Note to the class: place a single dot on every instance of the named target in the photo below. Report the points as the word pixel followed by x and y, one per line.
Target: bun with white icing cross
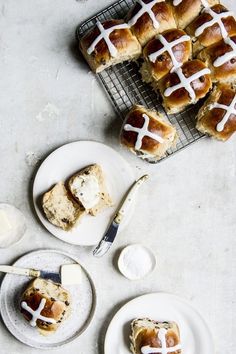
pixel 217 117
pixel 166 52
pixel 185 11
pixel 221 59
pixel 150 17
pixel 184 86
pixel 149 337
pixel 45 305
pixel 109 43
pixel 147 134
pixel 211 26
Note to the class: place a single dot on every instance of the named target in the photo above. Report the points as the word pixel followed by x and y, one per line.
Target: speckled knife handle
pixel 20 271
pixel 129 198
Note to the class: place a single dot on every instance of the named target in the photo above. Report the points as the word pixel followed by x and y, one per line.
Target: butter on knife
pixel 71 274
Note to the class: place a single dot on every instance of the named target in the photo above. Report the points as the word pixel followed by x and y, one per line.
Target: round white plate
pixel 63 163
pixel 195 335
pixel 83 301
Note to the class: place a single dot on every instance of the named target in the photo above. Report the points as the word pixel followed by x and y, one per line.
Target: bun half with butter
pixel 88 188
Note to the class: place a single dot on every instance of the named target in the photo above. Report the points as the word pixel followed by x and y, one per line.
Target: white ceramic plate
pixel 63 163
pixel 83 301
pixel 195 335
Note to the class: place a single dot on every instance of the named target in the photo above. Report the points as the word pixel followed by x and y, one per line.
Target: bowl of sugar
pixel 136 261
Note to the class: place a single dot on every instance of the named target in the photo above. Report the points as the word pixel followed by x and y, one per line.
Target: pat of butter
pixel 5 224
pixel 71 274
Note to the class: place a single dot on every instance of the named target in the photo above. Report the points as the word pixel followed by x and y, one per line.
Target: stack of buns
pixel 188 50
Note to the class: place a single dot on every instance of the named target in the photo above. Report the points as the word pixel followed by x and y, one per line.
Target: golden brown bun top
pixel 135 118
pixel 182 51
pixel 120 38
pixel 201 86
pixel 161 10
pixel 213 33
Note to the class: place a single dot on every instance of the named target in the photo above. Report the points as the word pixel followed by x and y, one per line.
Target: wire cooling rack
pixel 124 85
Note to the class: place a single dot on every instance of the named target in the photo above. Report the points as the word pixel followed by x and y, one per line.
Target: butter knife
pixel 109 237
pixel 56 277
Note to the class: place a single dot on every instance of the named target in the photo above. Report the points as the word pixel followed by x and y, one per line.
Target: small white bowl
pixel 17 225
pixel 136 261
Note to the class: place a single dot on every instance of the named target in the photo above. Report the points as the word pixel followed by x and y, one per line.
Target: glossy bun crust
pixel 57 306
pixel 188 10
pixel 225 72
pixel 213 33
pixel 163 63
pixel 127 45
pixel 150 149
pixel 208 119
pixel 144 29
pixel 180 98
pixel 144 332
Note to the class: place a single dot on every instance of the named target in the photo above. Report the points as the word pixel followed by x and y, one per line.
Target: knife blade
pixel 34 273
pixel 110 235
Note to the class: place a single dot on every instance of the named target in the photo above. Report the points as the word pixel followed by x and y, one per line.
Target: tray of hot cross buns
pixel 169 68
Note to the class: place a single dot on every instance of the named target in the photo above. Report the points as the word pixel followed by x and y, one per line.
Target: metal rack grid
pixel 125 87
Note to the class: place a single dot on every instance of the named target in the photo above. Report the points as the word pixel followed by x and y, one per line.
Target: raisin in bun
pixel 45 305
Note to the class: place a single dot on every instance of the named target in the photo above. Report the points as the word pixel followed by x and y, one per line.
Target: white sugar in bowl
pixel 136 261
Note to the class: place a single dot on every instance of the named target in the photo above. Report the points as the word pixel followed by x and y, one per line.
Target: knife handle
pixel 20 271
pixel 129 198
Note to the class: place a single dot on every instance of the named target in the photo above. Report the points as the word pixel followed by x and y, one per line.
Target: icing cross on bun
pixel 45 305
pixel 185 85
pixel 36 314
pixel 164 349
pixel 147 134
pixel 168 46
pixel 145 8
pixel 149 17
pixel 105 34
pixel 109 43
pixel 217 117
pixel 164 53
pixel 142 132
pixel 216 18
pixel 186 82
pixel 211 26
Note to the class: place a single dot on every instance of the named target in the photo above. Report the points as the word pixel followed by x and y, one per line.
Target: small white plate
pixel 83 301
pixel 195 335
pixel 128 267
pixel 63 163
